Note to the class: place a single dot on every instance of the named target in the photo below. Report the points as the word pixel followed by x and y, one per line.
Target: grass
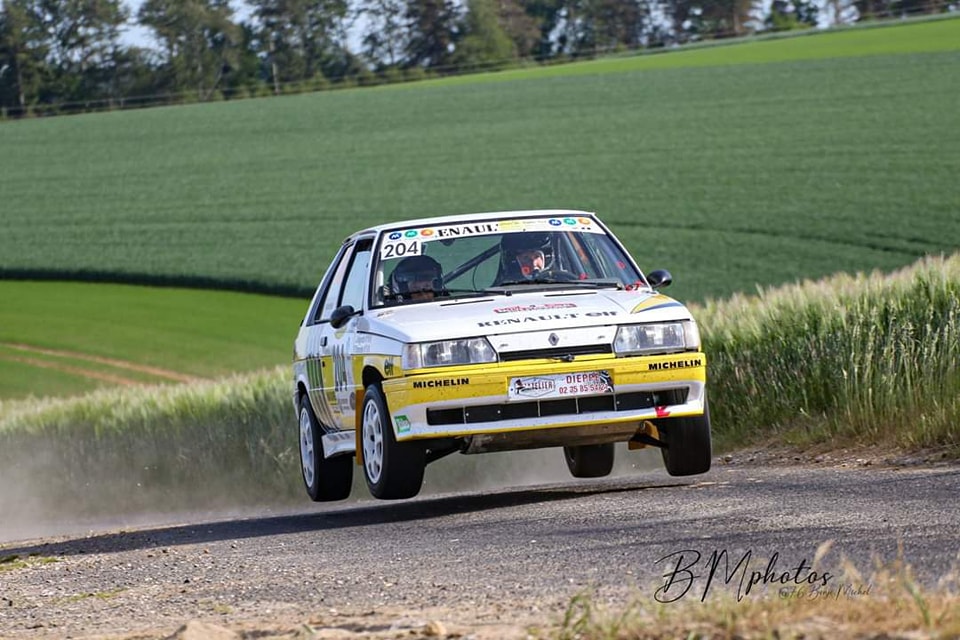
pixel 15 562
pixel 828 163
pixel 862 359
pixel 84 336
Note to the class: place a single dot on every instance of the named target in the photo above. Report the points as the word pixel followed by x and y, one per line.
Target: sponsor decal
pixel 499 226
pixel 340 368
pixel 674 364
pixel 388 367
pixel 657 301
pixel 546 318
pixel 561 385
pixel 662 412
pixel 445 382
pixel 480 229
pixel 532 387
pixel 536 307
pixel 403 424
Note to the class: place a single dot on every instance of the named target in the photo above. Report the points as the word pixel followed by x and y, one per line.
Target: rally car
pixel 492 332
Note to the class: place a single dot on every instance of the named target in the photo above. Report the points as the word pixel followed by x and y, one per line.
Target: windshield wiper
pixel 460 293
pixel 593 284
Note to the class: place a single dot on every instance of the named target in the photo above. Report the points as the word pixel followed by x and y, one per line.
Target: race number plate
pixel 561 385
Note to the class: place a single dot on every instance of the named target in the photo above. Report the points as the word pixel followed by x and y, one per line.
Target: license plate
pixel 560 385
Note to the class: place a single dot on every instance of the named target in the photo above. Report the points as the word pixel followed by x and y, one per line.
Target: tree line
pixel 70 55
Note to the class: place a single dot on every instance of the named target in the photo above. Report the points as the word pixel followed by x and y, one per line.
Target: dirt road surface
pixel 481 564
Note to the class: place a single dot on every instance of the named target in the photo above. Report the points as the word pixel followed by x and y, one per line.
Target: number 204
pixel 400 249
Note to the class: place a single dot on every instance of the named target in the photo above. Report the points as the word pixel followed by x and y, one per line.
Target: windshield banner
pixel 397 244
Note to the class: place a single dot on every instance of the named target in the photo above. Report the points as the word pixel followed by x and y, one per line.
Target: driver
pixel 523 255
pixel 416 278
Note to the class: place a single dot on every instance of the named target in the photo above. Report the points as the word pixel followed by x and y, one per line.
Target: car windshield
pixel 416 264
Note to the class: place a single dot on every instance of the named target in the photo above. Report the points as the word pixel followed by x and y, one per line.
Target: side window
pixel 357 275
pixel 328 301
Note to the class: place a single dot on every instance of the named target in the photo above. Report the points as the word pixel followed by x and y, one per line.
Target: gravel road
pixel 480 564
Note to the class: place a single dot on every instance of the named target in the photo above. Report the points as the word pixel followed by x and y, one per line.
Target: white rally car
pixel 492 332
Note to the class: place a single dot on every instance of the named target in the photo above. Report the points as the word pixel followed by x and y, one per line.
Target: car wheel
pixel 393 470
pixel 590 460
pixel 326 479
pixel 688 449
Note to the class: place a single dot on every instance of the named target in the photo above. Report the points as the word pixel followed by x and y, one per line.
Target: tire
pixel 688 449
pixel 326 479
pixel 393 470
pixel 590 460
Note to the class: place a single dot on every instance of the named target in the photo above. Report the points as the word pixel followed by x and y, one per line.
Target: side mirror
pixel 659 278
pixel 340 315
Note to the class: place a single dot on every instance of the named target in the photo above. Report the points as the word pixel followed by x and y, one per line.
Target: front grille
pixel 556 407
pixel 563 353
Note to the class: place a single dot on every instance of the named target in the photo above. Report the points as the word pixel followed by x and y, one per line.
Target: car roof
pixel 473 217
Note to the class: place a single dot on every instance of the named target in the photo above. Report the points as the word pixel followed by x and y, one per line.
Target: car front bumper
pixel 473 400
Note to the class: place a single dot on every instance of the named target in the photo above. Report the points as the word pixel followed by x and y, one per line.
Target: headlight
pixel 448 352
pixel 657 337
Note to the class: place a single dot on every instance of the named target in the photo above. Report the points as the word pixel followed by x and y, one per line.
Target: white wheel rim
pixel 372 442
pixel 306 447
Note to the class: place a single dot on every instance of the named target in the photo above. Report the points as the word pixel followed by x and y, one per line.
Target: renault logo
pixel 554 339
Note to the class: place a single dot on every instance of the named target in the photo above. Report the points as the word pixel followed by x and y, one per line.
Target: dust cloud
pixel 40 498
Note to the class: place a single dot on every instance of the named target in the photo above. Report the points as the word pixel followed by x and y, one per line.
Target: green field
pixel 64 338
pixel 785 159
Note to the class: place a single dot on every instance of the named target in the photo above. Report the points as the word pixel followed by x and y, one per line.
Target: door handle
pixel 323 341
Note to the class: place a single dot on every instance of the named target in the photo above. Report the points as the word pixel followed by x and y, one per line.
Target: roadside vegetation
pixel 868 359
pixel 156 448
pixel 864 359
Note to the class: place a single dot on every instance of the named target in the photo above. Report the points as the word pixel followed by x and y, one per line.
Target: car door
pixel 316 336
pixel 337 343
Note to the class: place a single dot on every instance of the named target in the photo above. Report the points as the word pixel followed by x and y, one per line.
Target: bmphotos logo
pixel 687 570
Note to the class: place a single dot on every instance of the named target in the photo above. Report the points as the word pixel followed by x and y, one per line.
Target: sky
pixel 138 36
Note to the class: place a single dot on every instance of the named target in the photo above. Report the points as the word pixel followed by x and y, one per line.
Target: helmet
pixel 524 241
pixel 414 274
pixel 514 245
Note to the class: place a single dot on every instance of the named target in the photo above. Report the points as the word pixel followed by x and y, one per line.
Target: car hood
pixel 521 312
